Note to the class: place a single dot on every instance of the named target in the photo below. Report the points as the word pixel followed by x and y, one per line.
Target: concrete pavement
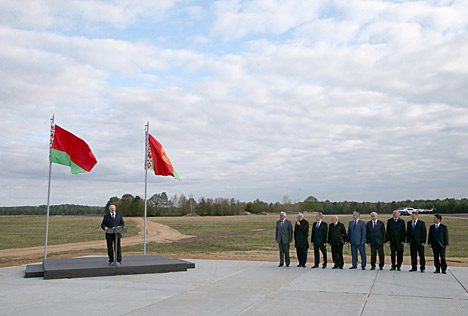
pixel 217 287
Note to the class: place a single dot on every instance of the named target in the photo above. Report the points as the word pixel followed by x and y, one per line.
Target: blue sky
pixel 342 100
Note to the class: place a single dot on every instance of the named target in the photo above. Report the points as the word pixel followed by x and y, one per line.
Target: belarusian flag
pixel 69 150
pixel 158 160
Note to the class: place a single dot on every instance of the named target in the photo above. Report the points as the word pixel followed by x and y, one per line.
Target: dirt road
pixel 155 232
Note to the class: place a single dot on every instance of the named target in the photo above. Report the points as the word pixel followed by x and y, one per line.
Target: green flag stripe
pixel 63 158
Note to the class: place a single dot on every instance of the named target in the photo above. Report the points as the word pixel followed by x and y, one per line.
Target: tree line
pixel 62 209
pixel 160 204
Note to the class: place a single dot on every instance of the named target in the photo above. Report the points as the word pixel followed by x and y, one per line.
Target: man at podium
pixel 111 220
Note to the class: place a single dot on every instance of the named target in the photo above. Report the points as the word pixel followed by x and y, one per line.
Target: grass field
pixel 216 237
pixel 29 231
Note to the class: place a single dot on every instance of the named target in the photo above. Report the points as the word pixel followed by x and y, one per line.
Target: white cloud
pixel 340 103
pixel 235 18
pixel 45 14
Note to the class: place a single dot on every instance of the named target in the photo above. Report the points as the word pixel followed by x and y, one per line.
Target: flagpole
pixel 48 190
pixel 146 184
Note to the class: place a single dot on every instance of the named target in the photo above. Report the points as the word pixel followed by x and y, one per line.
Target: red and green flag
pixel 158 159
pixel 70 150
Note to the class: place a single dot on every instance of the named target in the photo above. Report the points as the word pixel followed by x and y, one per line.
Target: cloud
pixel 333 100
pixel 47 14
pixel 236 19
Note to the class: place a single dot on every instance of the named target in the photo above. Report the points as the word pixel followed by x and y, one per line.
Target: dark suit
pixel 396 235
pixel 301 241
pixel 376 239
pixel 319 238
pixel 336 238
pixel 416 237
pixel 110 222
pixel 284 235
pixel 357 238
pixel 439 240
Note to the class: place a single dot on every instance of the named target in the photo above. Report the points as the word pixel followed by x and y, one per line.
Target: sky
pixel 341 100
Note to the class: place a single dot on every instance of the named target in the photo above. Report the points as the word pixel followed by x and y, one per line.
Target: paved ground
pixel 240 288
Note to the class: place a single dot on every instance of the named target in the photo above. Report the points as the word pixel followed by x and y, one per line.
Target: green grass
pixel 215 234
pixel 29 231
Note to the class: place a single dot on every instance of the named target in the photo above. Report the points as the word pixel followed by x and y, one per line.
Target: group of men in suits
pixel 374 233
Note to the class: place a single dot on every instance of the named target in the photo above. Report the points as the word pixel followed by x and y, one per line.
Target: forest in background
pixel 160 204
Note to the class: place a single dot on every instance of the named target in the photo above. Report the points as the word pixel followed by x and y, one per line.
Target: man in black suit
pixel 376 239
pixel 319 240
pixel 337 238
pixel 396 236
pixel 416 231
pixel 111 220
pixel 301 239
pixel 438 241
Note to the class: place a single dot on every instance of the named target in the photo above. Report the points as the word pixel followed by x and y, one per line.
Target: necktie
pixel 414 224
pixel 395 220
pixel 373 224
pixel 318 224
pixel 113 216
pixel 354 224
pixel 282 222
pixel 437 226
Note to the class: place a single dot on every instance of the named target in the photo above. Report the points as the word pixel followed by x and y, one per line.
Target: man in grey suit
pixel 284 236
pixel 357 238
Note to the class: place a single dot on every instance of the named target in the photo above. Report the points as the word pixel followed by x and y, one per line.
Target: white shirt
pixel 318 224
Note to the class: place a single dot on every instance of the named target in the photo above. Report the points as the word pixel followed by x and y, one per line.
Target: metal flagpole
pixel 146 184
pixel 52 128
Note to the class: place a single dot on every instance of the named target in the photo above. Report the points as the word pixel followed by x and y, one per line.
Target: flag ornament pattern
pixel 158 160
pixel 70 150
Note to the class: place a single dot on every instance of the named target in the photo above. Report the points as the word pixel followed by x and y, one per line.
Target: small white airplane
pixel 407 211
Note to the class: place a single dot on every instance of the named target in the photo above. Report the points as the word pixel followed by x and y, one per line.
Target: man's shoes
pixel 314 266
pixel 299 265
pixel 373 268
pixel 280 265
pixel 324 266
pixel 303 265
pixel 443 272
pixel 287 265
pixel 353 267
pixel 381 268
pixel 398 269
pixel 392 269
pixel 363 268
pixel 436 271
pixel 413 270
pixel 422 271
pixel 341 268
pixel 335 267
pixel 119 262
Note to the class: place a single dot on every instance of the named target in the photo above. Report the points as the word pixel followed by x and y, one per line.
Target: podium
pixel 118 230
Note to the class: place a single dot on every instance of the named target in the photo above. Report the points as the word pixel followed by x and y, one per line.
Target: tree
pixel 159 204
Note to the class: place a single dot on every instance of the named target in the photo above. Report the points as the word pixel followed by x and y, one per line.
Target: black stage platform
pixel 99 266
